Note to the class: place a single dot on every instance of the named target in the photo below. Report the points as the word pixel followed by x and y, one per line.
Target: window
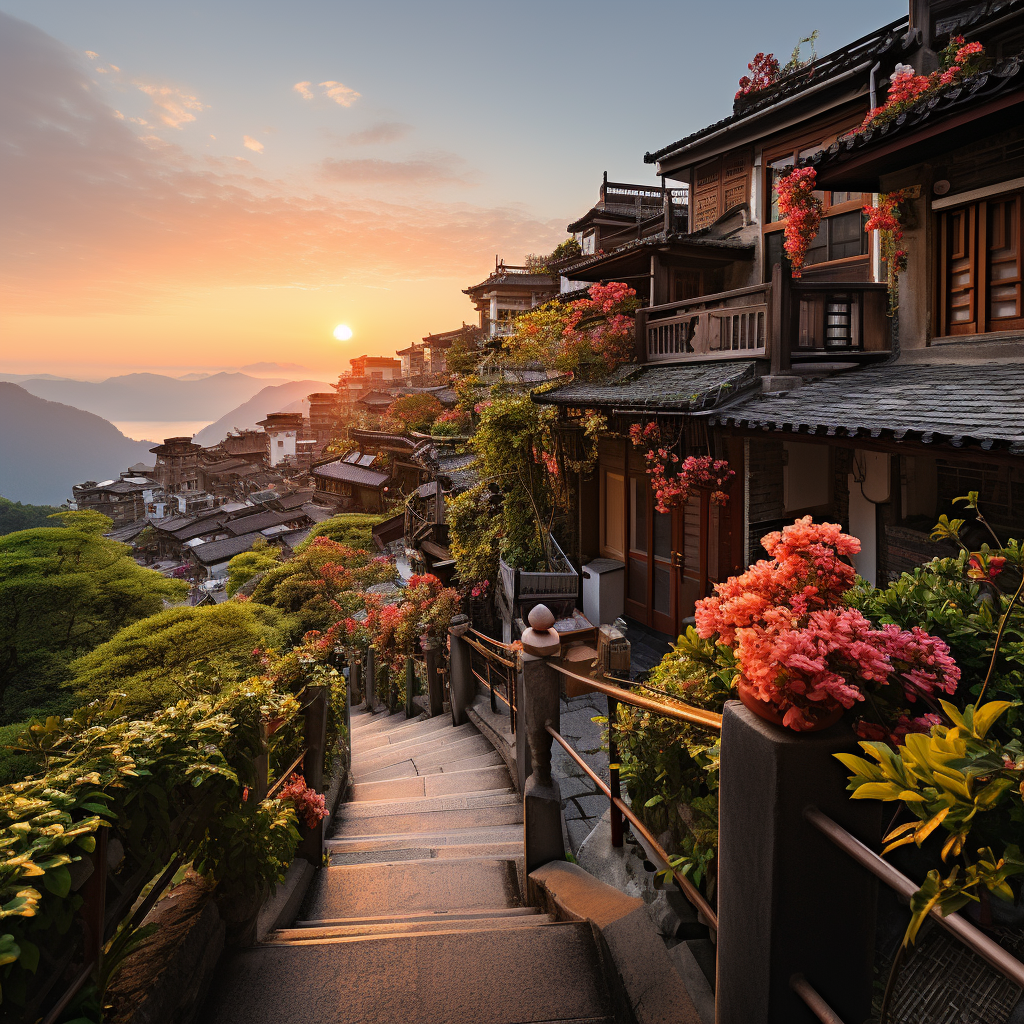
pixel 841 235
pixel 280 444
pixel 613 507
pixel 980 267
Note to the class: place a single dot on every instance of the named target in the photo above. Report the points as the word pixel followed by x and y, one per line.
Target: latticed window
pixel 980 267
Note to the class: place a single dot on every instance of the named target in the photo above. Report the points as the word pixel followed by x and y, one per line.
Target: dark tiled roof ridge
pixel 841 60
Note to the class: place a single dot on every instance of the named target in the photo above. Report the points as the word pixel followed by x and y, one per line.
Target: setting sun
pixel 342 332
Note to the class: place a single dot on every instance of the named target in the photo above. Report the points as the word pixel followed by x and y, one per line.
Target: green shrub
pixel 354 529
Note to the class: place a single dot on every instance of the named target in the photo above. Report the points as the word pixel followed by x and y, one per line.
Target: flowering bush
pixel 958 60
pixel 451 423
pixel 802 210
pixel 800 649
pixel 592 334
pixel 672 490
pixel 764 72
pixel 310 805
pixel 887 218
pixel 415 412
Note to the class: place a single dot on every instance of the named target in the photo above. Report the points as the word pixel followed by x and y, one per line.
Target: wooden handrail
pixel 489 654
pixel 681 712
pixel 690 891
pixel 286 775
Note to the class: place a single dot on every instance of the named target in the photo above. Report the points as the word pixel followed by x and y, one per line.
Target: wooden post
pixel 94 900
pixel 261 765
pixel 462 685
pixel 640 341
pixel 312 845
pixel 410 687
pixel 371 679
pixel 613 771
pixel 781 334
pixel 435 684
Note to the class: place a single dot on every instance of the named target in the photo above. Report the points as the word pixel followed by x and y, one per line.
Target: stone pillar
pixel 789 901
pixel 461 683
pixel 371 679
pixel 542 802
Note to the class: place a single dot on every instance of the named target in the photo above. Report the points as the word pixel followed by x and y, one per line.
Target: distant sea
pixel 157 430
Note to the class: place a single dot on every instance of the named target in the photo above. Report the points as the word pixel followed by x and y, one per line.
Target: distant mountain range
pixel 277 398
pixel 46 447
pixel 152 396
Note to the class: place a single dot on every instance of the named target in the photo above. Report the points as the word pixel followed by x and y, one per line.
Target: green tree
pixel 15 516
pixel 156 661
pixel 248 564
pixel 353 529
pixel 416 412
pixel 62 593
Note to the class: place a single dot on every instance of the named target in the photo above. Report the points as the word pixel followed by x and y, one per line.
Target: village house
pixel 283 429
pixel 508 292
pixel 124 500
pixel 324 415
pixel 177 466
pixel 820 402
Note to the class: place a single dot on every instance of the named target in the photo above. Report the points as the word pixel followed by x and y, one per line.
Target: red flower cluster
pixel 802 210
pixel 885 217
pixel 695 471
pixel 799 648
pixel 764 72
pixel 309 804
pixel 612 337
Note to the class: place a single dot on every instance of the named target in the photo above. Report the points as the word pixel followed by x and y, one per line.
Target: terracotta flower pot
pixel 770 713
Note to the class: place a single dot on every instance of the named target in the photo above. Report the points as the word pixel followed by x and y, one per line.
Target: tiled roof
pixel 700 239
pixel 679 386
pixel 964 405
pixel 198 529
pixel 317 512
pixel 1006 77
pixel 379 437
pixel 865 50
pixel 221 550
pixel 351 474
pixel 262 521
pixel 129 532
pixel 295 499
pixel 119 487
pixel 522 280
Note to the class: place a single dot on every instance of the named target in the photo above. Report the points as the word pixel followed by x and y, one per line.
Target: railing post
pixel 261 765
pixel 542 801
pixel 410 686
pixel 613 772
pixel 94 900
pixel 312 845
pixel 788 901
pixel 781 333
pixel 461 682
pixel 435 684
pixel 371 679
pixel 640 340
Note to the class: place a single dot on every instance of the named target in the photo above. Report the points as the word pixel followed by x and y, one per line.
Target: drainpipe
pixel 871 85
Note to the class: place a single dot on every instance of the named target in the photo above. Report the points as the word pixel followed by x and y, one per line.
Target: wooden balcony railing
pixel 784 321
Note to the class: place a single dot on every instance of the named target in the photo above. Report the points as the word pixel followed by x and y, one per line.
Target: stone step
pixel 382 720
pixel 428 925
pixel 411 768
pixel 429 821
pixel 399 733
pixel 422 805
pixel 510 834
pixel 424 915
pixel 501 851
pixel 374 890
pixel 426 756
pixel 486 976
pixel 418 746
pixel 475 780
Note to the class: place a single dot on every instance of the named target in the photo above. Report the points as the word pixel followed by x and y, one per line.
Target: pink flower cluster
pixel 799 648
pixel 764 71
pixel 672 490
pixel 310 805
pixel 802 210
pixel 480 589
pixel 612 336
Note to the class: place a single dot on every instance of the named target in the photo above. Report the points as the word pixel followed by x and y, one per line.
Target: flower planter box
pixel 557 589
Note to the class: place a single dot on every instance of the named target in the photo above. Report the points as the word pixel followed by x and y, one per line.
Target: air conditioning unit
pixel 604 590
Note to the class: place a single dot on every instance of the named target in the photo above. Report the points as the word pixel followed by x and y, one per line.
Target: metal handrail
pixel 681 712
pixel 489 654
pixel 491 640
pixel 812 999
pixel 973 938
pixel 690 891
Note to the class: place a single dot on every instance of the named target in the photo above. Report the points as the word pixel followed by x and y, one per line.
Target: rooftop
pixel 340 470
pixel 221 550
pixel 929 403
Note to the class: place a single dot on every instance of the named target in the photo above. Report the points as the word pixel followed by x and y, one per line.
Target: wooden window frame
pixel 974 221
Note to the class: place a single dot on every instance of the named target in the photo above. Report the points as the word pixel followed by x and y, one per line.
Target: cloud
pixel 433 170
pixel 250 143
pixel 341 94
pixel 172 106
pixel 381 132
pixel 302 88
pixel 98 222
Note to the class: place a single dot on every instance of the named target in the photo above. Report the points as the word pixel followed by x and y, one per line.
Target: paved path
pixel 419 917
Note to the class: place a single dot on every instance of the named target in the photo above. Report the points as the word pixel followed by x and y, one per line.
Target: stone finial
pixel 540 640
pixel 541 617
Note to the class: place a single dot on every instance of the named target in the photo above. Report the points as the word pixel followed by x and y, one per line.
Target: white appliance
pixel 604 590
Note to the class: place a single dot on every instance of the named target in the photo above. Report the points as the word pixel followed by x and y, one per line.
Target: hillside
pixel 46 447
pixel 277 398
pixel 152 396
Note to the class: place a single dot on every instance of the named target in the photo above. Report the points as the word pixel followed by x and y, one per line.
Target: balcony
pixel 785 322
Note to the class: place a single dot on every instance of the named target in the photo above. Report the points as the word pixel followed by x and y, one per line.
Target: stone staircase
pixel 419 916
